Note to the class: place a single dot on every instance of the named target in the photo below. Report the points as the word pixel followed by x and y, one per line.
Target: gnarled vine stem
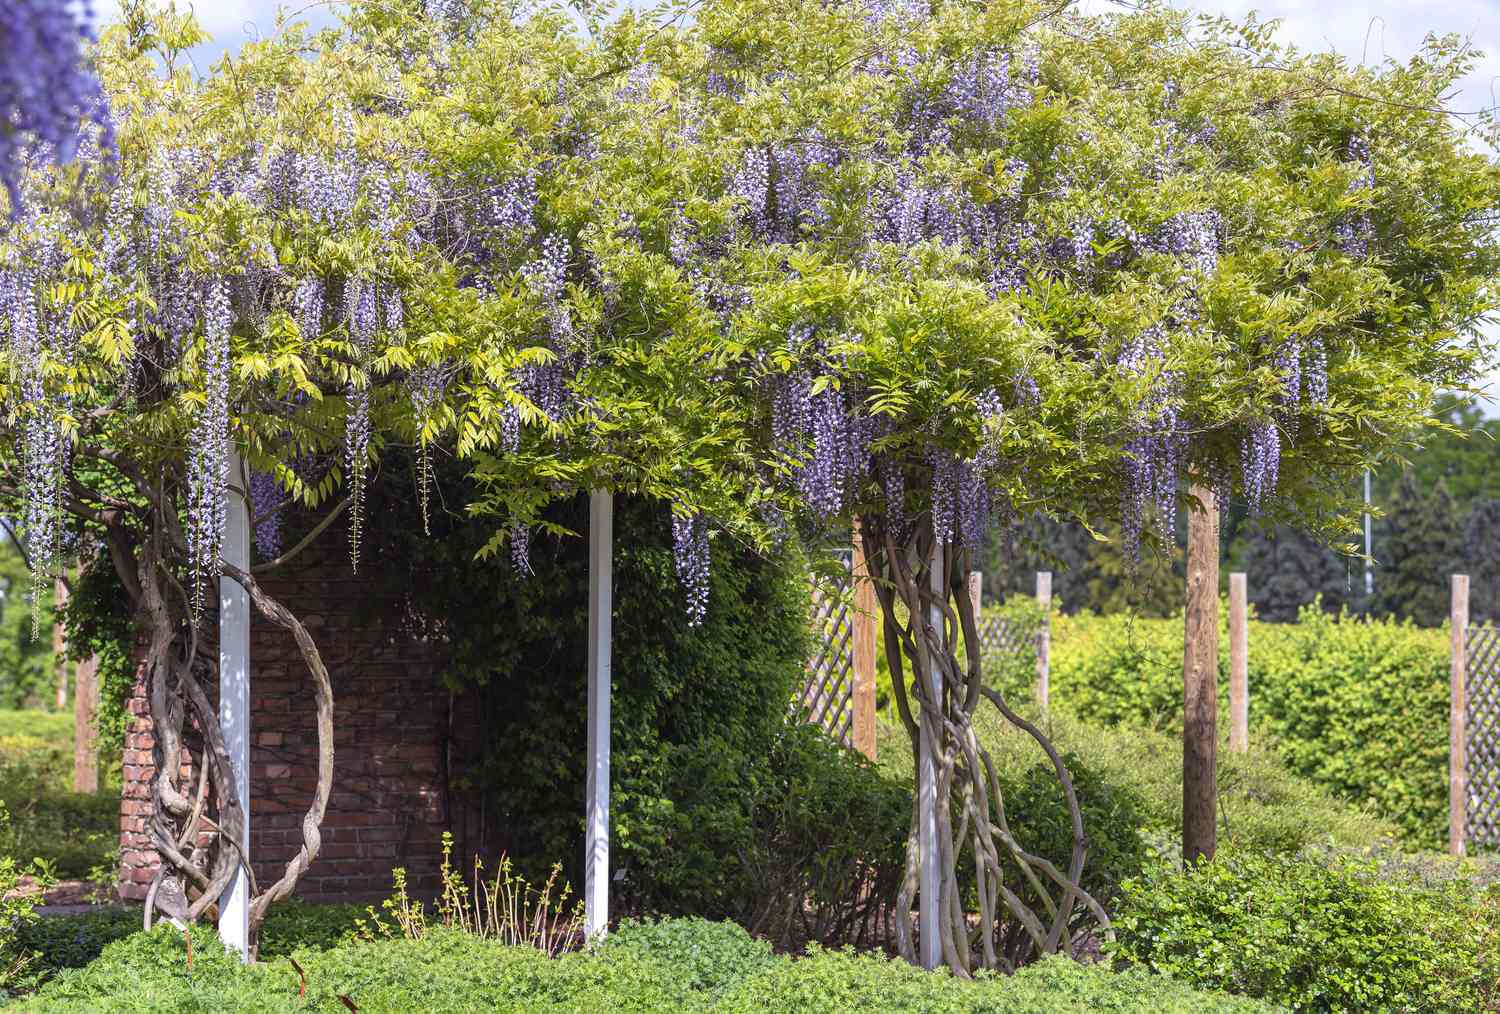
pixel 1026 906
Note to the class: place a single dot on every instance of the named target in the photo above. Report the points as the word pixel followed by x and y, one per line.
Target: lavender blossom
pixel 691 557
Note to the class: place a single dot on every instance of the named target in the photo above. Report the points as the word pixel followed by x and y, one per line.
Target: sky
pixel 1369 32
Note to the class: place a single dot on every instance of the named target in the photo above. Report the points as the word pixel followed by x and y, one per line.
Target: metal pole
pixel 866 611
pixel 929 885
pixel 1369 570
pixel 601 580
pixel 234 700
pixel 1044 640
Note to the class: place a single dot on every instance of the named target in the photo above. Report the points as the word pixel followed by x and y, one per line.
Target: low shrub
pixel 1317 933
pixel 688 966
pixel 17 912
pixel 709 956
pixel 59 942
pixel 1355 706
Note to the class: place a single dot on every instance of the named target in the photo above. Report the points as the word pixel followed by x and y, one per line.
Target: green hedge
pixel 1358 707
pixel 1319 934
pixel 692 966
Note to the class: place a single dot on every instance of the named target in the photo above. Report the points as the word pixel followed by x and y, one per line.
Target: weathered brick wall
pixel 394 728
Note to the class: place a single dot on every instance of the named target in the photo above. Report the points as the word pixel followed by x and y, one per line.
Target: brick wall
pixel 394 728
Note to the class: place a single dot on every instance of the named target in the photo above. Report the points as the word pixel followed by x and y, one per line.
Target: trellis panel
pixel 1008 635
pixel 1482 736
pixel 827 697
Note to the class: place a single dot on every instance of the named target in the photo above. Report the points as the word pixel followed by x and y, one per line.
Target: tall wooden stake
pixel 85 706
pixel 234 701
pixel 866 613
pixel 1200 680
pixel 1239 665
pixel 929 872
pixel 1044 639
pixel 1458 715
pixel 601 592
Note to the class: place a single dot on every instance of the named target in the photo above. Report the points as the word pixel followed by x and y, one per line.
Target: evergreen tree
pixel 1419 546
pixel 1482 560
pixel 1286 570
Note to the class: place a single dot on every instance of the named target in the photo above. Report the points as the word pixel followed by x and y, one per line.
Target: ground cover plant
pixel 687 966
pixel 1316 933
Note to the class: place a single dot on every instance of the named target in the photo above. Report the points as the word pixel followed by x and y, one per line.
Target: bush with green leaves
pixel 677 966
pixel 59 942
pixel 1318 934
pixel 1358 707
pixel 17 911
pixel 1129 784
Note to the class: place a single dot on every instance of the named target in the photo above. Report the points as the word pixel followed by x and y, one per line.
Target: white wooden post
pixel 601 579
pixel 1044 640
pixel 1239 664
pixel 234 701
pixel 1458 716
pixel 929 883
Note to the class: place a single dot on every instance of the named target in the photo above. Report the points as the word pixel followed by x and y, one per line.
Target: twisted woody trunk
pixel 983 924
pixel 197 817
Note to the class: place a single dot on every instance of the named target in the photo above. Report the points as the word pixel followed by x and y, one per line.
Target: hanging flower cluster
pixel 208 465
pixel 46 88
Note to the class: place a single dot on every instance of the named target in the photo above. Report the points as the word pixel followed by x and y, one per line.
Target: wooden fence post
pixel 1044 639
pixel 1458 776
pixel 1200 678
pixel 976 586
pixel 1239 665
pixel 865 613
pixel 85 706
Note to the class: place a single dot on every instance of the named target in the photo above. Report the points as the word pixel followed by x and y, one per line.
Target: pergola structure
pixel 234 710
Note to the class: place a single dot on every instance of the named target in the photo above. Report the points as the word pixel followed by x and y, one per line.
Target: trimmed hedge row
pixel 1339 934
pixel 1358 707
pixel 686 965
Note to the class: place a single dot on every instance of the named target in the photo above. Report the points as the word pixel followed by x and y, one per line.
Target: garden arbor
pixel 795 264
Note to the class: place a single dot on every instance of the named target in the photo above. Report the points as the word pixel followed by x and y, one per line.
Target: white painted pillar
pixel 596 842
pixel 234 700
pixel 929 875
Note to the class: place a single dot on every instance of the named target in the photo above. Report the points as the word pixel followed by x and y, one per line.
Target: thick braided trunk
pixel 185 805
pixel 1004 929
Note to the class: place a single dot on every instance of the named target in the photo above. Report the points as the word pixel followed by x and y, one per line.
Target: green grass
pixel 51 726
pixel 74 834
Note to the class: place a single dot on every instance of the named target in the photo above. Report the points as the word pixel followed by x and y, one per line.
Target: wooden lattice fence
pixel 838 694
pixel 827 698
pixel 1482 736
